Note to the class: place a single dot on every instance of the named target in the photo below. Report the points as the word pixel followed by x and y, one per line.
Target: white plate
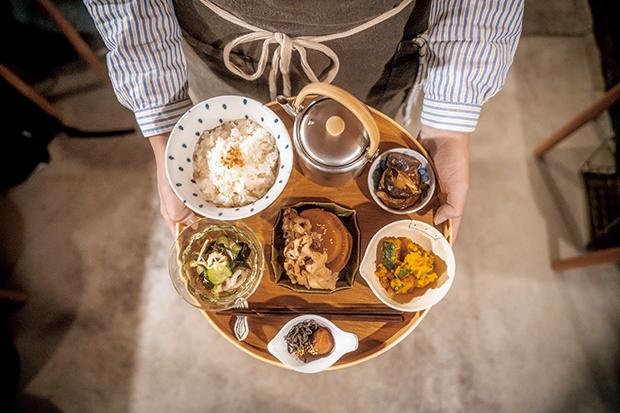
pixel 343 343
pixel 207 115
pixel 429 238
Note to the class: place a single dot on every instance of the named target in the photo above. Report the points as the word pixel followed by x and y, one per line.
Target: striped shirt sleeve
pixel 472 44
pixel 145 60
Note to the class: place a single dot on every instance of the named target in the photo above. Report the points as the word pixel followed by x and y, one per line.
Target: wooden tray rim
pixel 403 332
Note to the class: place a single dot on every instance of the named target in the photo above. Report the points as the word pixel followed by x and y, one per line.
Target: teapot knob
pixel 335 125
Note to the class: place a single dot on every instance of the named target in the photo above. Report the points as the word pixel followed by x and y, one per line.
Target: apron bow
pixel 281 59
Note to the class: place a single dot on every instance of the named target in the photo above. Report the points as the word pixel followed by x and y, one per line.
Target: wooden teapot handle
pixel 350 102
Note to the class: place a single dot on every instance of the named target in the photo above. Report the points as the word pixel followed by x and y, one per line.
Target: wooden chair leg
pixel 586 260
pixel 579 120
pixel 13 297
pixel 29 92
pixel 75 39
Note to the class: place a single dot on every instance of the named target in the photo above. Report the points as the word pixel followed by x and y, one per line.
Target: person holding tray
pixel 162 52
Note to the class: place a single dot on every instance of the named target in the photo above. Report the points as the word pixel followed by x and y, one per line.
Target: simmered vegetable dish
pixel 403 265
pixel 401 185
pixel 221 265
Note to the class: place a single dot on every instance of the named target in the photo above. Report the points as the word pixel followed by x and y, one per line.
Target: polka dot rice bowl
pixel 205 116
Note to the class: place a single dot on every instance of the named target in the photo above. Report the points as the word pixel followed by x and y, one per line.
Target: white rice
pixel 250 177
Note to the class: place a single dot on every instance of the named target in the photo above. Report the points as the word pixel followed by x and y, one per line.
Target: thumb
pixel 172 227
pixel 445 212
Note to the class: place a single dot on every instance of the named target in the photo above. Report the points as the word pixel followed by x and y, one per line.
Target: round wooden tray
pixel 374 337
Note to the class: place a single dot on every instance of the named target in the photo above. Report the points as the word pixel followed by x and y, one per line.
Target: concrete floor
pixel 104 330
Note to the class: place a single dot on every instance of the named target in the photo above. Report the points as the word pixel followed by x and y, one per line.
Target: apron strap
pixel 281 59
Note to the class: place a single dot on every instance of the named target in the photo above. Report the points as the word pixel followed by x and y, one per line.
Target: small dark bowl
pixel 347 275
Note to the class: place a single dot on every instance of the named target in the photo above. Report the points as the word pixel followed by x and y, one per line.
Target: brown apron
pixel 378 65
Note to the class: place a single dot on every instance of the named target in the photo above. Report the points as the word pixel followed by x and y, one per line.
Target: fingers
pixel 173 214
pixel 172 226
pixel 178 216
pixel 456 195
pixel 172 209
pixel 454 206
pixel 446 212
pixel 451 159
pixel 456 186
pixel 172 222
pixel 456 224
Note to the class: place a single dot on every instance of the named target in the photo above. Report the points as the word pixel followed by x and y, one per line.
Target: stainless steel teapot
pixel 334 134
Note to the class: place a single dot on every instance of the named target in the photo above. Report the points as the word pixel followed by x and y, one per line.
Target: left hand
pixel 450 153
pixel 171 208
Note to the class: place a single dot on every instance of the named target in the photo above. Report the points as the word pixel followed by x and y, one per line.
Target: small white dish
pixel 207 115
pixel 343 343
pixel 426 172
pixel 429 238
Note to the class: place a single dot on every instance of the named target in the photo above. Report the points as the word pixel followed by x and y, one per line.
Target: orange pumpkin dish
pixel 403 266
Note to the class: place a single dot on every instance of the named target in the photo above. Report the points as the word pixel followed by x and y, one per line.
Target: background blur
pixel 103 329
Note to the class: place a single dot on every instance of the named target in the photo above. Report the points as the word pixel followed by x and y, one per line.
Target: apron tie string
pixel 281 59
pixel 282 55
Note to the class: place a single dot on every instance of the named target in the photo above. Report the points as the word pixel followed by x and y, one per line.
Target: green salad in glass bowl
pixel 216 265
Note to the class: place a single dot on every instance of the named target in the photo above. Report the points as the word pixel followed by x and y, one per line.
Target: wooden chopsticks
pixel 355 313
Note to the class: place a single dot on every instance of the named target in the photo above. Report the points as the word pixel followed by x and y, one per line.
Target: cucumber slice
pixel 232 248
pixel 235 249
pixel 225 241
pixel 218 273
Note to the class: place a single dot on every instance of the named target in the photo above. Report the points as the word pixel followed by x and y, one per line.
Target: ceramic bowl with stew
pixel 426 174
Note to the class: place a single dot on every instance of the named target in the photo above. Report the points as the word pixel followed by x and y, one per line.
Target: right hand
pixel 450 153
pixel 170 206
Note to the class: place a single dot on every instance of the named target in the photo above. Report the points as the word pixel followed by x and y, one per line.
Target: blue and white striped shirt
pixel 472 44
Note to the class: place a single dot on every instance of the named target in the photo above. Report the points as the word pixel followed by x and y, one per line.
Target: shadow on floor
pixel 27 403
pixel 559 195
pixel 603 364
pixel 88 217
pixel 560 219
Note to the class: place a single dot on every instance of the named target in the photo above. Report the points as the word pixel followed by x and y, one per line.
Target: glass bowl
pixel 194 235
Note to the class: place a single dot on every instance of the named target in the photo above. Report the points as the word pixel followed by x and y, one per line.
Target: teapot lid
pixel 331 134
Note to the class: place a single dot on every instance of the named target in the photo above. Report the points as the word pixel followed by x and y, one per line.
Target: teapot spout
pixel 286 105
